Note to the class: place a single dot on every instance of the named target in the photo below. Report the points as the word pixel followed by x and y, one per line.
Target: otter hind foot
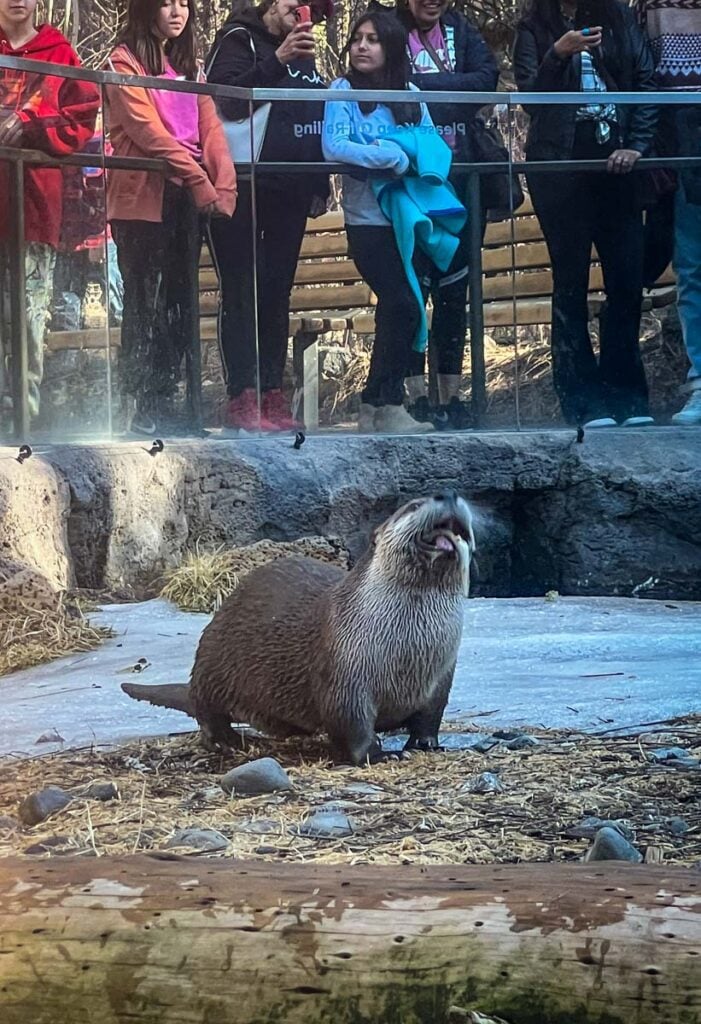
pixel 427 744
pixel 216 734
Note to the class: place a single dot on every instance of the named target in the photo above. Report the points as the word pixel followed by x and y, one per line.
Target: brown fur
pixel 302 647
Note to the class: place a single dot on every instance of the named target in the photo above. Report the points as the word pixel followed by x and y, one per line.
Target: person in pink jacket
pixel 157 218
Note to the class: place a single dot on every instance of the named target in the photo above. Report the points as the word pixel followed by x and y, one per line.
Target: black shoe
pixel 421 410
pixel 456 415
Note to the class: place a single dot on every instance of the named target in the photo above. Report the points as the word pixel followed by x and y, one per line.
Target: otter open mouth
pixel 446 534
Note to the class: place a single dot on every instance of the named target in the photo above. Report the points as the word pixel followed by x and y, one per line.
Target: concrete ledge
pixel 619 514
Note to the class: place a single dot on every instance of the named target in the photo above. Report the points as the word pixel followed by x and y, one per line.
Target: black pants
pixel 397 316
pixel 159 264
pixel 448 292
pixel 281 218
pixel 576 210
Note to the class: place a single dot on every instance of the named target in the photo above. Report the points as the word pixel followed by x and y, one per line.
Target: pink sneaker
pixel 242 413
pixel 276 409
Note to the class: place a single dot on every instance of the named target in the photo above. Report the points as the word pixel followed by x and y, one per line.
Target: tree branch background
pixel 92 25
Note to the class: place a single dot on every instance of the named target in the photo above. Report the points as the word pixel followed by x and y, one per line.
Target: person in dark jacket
pixel 563 47
pixel 446 53
pixel 265 47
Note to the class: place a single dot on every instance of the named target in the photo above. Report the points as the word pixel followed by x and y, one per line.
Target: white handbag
pixel 245 138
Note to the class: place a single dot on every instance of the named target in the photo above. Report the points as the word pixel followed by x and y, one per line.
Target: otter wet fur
pixel 302 647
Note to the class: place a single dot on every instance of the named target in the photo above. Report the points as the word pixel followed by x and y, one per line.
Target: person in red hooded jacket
pixel 57 116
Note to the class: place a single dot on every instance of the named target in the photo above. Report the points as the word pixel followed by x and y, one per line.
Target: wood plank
pixel 87 338
pixel 330 272
pixel 328 222
pixel 324 245
pixel 524 256
pixel 319 299
pixel 146 938
pixel 526 229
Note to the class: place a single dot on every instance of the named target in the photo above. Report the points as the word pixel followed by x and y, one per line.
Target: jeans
pixel 39 264
pixel 576 210
pixel 280 222
pixel 159 264
pixel 375 253
pixel 687 267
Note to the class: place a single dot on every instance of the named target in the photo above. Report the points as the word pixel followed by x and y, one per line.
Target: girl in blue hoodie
pixel 353 133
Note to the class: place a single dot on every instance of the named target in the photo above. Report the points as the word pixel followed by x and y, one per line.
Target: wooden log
pixel 187 941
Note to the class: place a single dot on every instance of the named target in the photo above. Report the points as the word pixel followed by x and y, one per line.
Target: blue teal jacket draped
pixel 422 207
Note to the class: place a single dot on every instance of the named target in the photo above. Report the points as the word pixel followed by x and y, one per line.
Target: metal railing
pixel 472 173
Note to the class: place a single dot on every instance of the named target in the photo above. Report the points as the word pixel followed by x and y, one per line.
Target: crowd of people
pixel 404 202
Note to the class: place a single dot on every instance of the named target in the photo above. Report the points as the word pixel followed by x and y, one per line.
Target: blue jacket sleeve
pixel 338 146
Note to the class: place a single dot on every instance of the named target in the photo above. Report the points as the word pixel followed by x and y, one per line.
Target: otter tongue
pixel 444 543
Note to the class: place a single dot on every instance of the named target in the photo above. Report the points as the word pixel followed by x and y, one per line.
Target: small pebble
pixel 326 824
pixel 48 844
pixel 506 734
pixel 7 823
pixel 484 746
pixel 487 782
pixel 363 789
pixel 611 845
pixel 206 840
pixel 265 775
pixel 41 805
pixel 663 754
pixel 102 791
pixel 52 736
pixel 589 826
pixel 523 742
pixel 677 826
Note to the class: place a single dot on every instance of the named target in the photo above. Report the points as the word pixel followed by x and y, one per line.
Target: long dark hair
pixel 392 37
pixel 138 35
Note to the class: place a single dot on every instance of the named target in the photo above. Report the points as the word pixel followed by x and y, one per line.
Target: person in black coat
pixel 266 47
pixel 595 45
pixel 446 53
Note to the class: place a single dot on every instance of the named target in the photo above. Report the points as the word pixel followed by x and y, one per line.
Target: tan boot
pixel 394 419
pixel 366 419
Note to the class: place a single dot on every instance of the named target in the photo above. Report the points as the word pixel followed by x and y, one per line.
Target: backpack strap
pixel 215 52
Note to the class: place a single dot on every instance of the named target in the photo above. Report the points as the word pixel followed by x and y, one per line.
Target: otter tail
pixel 170 695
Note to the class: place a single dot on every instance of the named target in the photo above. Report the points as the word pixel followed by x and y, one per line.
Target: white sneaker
pixel 366 419
pixel 394 419
pixel 604 421
pixel 638 421
pixel 690 415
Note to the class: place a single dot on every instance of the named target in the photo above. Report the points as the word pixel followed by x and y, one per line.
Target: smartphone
pixel 590 13
pixel 304 14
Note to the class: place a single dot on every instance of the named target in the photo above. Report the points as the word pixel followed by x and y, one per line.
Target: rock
pixel 663 754
pixel 677 826
pixel 506 734
pixel 49 844
pixel 265 775
pixel 326 823
pixel 609 844
pixel 484 746
pixel 681 763
pixel 52 736
pixel 8 823
pixel 258 826
pixel 42 804
pixel 487 782
pixel 523 742
pixel 205 840
pixel 102 791
pixel 589 826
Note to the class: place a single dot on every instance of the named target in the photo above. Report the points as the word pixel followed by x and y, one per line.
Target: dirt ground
pixel 402 811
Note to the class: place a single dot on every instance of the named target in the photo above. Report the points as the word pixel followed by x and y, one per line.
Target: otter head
pixel 429 540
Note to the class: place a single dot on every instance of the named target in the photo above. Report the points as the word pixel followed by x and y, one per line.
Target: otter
pixel 303 647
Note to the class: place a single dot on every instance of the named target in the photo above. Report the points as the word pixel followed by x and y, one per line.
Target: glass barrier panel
pixel 55 346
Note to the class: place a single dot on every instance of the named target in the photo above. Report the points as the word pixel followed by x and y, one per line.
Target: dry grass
pixel 206 578
pixel 418 814
pixel 32 636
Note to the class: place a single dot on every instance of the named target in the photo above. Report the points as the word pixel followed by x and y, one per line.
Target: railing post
pixel 479 383
pixel 18 303
pixel 193 355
